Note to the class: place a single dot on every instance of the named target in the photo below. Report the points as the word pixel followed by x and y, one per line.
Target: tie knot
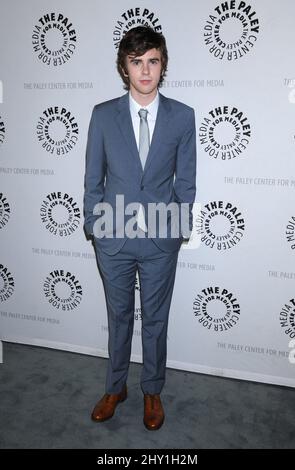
pixel 143 113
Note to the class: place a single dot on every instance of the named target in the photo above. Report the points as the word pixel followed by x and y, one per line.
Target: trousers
pixel 156 271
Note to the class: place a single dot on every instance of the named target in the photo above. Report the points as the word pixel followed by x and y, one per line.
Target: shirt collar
pixel 152 107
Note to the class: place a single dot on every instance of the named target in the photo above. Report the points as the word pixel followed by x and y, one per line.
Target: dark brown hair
pixel 136 42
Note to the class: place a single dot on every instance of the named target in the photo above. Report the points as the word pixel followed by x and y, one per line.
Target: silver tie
pixel 143 148
pixel 144 136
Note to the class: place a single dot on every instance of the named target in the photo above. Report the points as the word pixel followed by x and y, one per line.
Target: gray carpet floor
pixel 46 398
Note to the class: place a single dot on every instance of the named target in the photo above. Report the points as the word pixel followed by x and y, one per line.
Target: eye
pixel 135 61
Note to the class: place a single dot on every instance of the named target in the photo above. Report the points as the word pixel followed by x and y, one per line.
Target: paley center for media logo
pixel 216 309
pixel 6 283
pixel 2 130
pixel 4 210
pixel 60 214
pixel 225 133
pixel 138 16
pixel 54 39
pixel 57 130
pixel 63 290
pixel 290 232
pixel 287 318
pixel 231 31
pixel 220 225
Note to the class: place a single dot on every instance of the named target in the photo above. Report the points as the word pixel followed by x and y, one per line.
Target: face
pixel 144 73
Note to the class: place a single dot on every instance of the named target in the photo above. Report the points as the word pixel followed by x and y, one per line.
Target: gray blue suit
pixel 113 167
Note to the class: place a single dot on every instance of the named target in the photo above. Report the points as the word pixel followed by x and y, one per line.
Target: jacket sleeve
pixel 185 172
pixel 95 170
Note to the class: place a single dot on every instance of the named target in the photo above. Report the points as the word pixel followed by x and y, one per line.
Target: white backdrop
pixel 233 306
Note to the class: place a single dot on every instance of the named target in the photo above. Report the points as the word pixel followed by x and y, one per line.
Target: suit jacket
pixel 113 165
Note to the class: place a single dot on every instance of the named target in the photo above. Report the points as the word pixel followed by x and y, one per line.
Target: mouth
pixel 145 82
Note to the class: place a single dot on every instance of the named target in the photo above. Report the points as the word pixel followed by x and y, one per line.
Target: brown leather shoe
pixel 153 412
pixel 105 408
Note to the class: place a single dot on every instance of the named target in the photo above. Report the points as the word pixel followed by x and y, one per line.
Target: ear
pixel 124 72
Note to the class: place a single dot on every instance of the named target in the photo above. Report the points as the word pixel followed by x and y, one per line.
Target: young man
pixel 141 147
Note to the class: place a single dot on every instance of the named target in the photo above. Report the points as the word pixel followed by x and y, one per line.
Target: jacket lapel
pixel 163 116
pixel 124 122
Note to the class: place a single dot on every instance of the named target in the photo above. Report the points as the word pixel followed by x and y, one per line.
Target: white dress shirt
pixel 152 109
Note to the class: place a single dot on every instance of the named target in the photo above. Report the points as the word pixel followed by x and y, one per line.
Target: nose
pixel 145 68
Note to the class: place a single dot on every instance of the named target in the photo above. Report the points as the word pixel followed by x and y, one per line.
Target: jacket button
pixel 142 187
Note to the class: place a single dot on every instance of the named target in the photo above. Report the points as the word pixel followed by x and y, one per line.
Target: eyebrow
pixel 138 58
